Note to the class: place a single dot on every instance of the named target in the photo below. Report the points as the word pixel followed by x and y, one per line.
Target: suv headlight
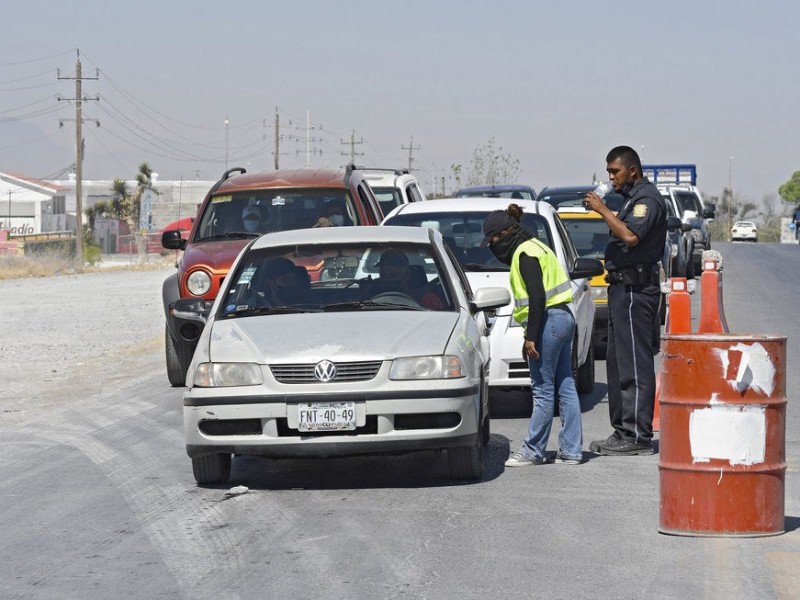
pixel 199 282
pixel 599 292
pixel 426 367
pixel 697 235
pixel 227 374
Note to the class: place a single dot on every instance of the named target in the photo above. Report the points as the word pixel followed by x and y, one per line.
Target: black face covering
pixel 504 248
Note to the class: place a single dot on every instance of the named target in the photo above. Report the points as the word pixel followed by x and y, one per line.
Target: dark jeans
pixel 630 367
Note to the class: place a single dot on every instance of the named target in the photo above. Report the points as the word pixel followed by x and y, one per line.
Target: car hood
pixel 310 337
pixel 216 255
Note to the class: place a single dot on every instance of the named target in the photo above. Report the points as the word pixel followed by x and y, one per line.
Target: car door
pixel 582 303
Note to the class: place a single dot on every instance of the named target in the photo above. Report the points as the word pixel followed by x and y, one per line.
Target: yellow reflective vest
pixel 556 281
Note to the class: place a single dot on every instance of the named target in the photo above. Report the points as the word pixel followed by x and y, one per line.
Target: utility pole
pixel 308 139
pixel 352 143
pixel 79 98
pixel 226 142
pixel 410 149
pixel 277 138
pixel 730 197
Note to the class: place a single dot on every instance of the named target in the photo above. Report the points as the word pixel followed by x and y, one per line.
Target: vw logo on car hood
pixel 325 371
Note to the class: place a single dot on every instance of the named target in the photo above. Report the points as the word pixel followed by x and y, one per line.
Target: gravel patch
pixel 54 327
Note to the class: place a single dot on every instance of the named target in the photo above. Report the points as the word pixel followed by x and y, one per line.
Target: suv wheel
pixel 179 355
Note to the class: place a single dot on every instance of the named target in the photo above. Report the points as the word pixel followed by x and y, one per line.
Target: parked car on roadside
pixel 393 187
pixel 286 367
pixel 238 208
pixel 461 225
pixel 513 191
pixel 744 231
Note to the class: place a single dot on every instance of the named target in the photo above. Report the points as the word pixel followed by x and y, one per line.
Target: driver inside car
pixel 395 276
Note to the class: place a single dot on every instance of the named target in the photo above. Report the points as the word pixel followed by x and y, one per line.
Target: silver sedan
pixel 289 367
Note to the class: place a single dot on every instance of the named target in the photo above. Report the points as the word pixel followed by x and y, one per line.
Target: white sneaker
pixel 518 459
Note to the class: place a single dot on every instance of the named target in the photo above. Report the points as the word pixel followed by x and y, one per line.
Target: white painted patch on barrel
pixel 755 369
pixel 737 434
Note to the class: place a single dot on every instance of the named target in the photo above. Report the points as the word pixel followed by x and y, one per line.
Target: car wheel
pixel 179 355
pixel 466 462
pixel 584 382
pixel 487 430
pixel 214 468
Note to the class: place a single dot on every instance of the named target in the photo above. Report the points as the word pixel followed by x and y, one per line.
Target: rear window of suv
pixel 275 209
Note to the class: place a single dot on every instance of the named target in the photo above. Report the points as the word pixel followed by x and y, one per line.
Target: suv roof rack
pixel 403 171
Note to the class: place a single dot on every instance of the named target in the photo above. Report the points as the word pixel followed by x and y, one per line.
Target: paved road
pixel 99 501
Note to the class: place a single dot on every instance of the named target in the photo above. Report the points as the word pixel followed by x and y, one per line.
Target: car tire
pixel 213 468
pixel 179 355
pixel 466 462
pixel 584 381
pixel 487 429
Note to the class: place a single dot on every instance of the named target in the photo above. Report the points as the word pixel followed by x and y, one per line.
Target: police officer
pixel 638 233
pixel 542 293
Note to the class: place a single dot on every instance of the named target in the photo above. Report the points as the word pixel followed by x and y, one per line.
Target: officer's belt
pixel 638 274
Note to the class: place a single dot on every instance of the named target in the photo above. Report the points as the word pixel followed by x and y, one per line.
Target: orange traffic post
pixel 712 313
pixel 722 456
pixel 679 320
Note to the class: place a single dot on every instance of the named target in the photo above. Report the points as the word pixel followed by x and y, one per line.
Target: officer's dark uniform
pixel 633 299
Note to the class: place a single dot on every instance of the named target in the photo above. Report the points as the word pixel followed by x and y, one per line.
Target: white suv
pixel 687 203
pixel 393 187
pixel 462 227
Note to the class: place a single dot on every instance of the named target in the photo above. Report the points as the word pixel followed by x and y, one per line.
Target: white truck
pixel 678 185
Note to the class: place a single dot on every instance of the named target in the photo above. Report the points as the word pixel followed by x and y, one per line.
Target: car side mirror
pixel 673 223
pixel 488 298
pixel 172 240
pixel 686 227
pixel 709 211
pixel 586 267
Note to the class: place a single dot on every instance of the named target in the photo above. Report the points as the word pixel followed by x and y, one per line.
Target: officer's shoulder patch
pixel 640 210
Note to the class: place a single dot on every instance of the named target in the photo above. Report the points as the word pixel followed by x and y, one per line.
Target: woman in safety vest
pixel 542 292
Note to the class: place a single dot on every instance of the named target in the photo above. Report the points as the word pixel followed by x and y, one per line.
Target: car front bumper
pixel 394 421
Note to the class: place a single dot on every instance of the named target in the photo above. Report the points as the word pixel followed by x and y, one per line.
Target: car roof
pixel 506 187
pixel 287 178
pixel 344 235
pixel 457 205
pixel 565 190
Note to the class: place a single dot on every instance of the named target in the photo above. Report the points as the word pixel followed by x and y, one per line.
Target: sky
pixel 556 84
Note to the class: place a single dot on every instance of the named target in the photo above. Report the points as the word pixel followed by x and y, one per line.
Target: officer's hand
pixel 592 201
pixel 529 350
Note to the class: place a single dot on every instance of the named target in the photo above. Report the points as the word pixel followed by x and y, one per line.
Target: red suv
pixel 239 208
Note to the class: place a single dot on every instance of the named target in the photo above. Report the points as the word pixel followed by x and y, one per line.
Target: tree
pixel 489 165
pixel 790 191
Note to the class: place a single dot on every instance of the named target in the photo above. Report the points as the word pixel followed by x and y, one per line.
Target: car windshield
pixel 463 232
pixel 590 236
pixel 337 278
pixel 688 201
pixel 263 211
pixel 388 198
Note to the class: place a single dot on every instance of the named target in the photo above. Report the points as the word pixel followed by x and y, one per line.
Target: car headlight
pixel 198 283
pixel 697 235
pixel 227 374
pixel 426 367
pixel 599 292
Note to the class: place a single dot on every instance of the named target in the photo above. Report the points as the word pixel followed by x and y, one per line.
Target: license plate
pixel 327 416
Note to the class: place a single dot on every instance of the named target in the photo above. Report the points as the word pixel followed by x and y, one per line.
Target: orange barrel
pixel 722 456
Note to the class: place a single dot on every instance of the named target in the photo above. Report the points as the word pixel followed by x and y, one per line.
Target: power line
pixel 32 60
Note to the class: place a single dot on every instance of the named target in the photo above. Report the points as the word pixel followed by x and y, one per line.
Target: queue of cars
pixel 323 338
